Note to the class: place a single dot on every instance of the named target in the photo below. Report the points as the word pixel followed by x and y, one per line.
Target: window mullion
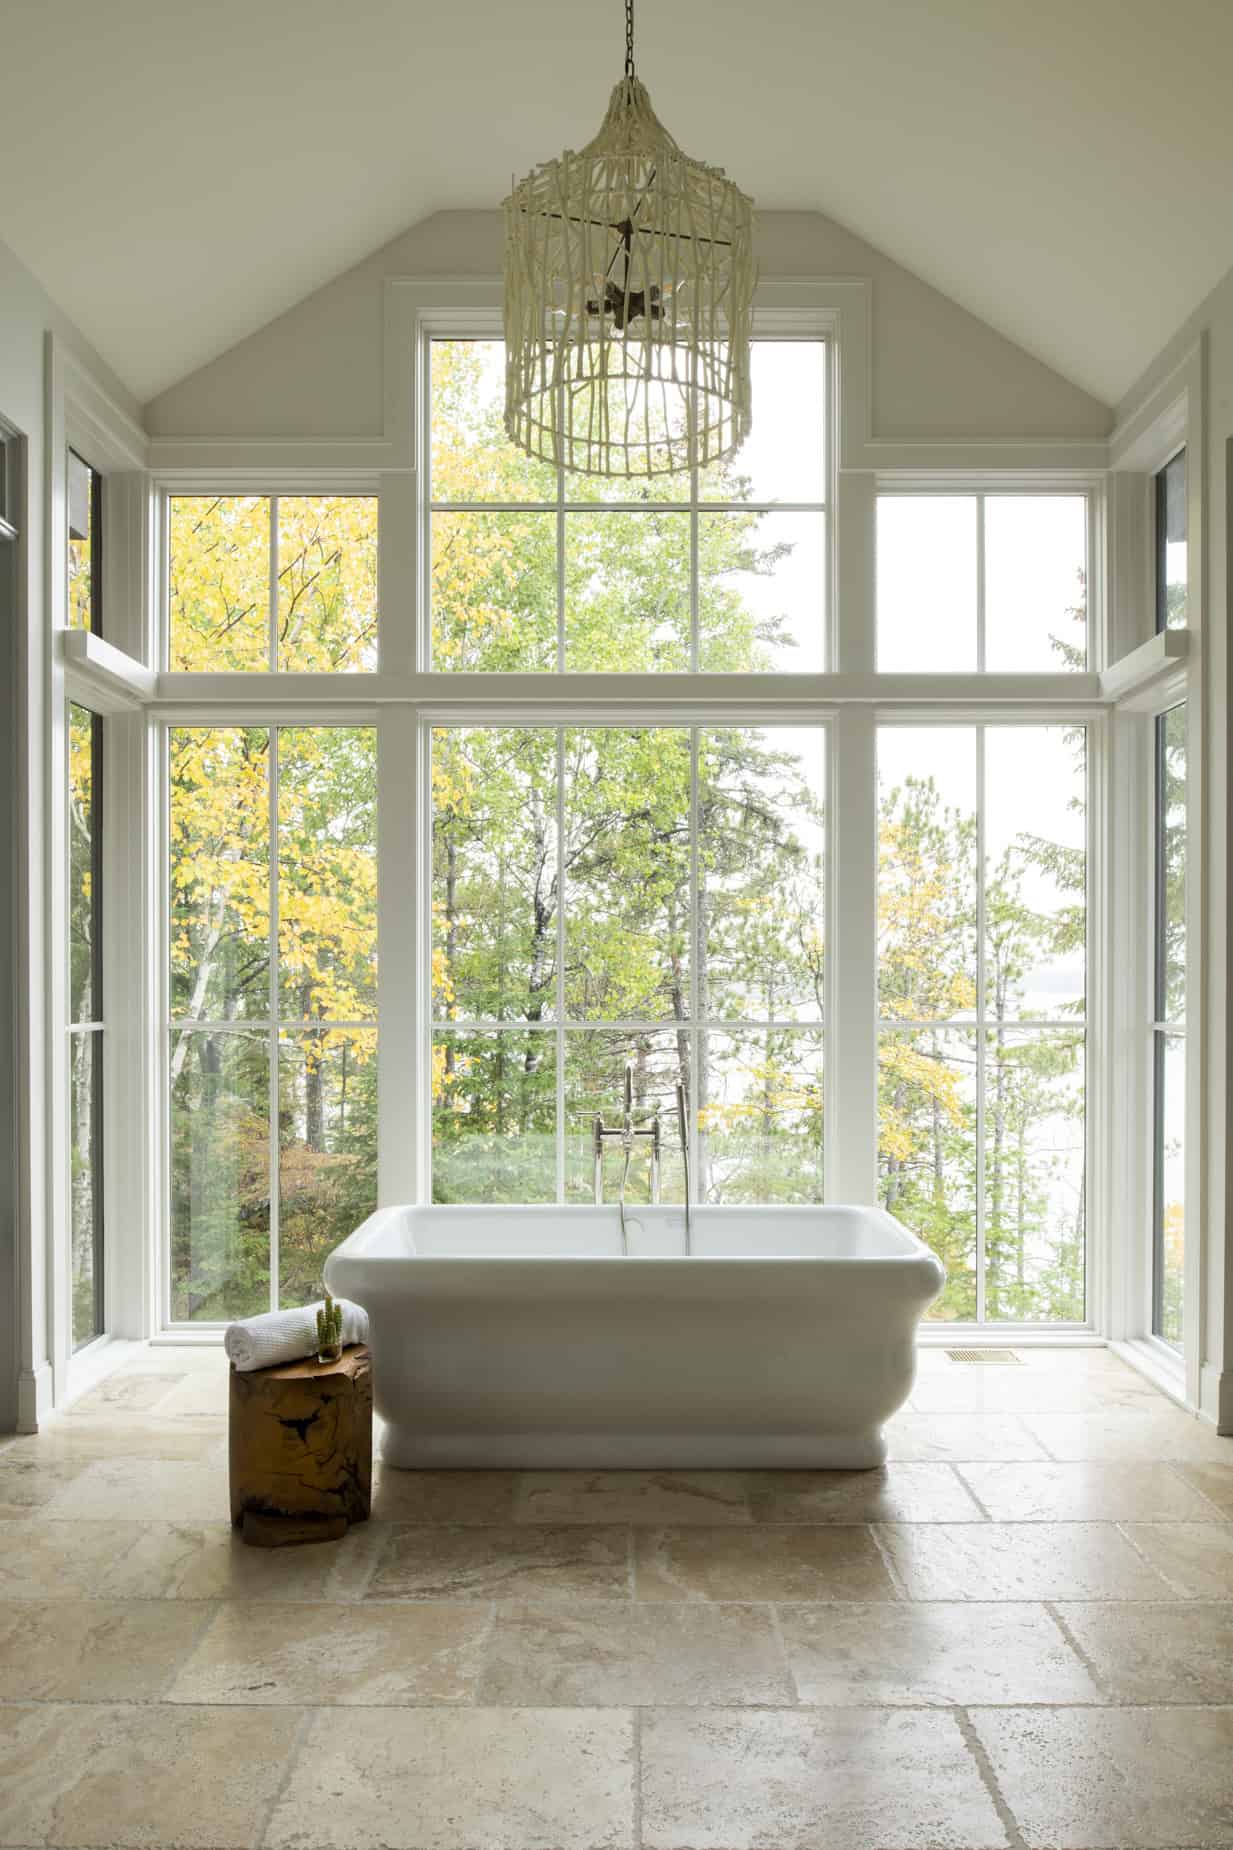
pixel 696 1031
pixel 850 1075
pixel 981 979
pixel 980 585
pixel 272 1040
pixel 560 983
pixel 560 571
pixel 694 652
pixel 273 598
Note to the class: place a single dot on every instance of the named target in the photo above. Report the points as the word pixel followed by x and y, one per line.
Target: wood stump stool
pixel 300 1442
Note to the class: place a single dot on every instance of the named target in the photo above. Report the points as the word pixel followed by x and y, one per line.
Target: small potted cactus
pixel 329 1330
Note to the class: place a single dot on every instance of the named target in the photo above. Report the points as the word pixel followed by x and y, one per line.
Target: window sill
pixel 1159 1364
pixel 1007 1336
pixel 103 677
pixel 1150 674
pixel 93 1364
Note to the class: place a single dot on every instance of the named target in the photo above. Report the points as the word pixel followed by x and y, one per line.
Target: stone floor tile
pixel 445 1498
pixel 899 1493
pixel 970 1388
pixel 1149 1431
pixel 824 1562
pixel 86 1440
pixel 1195 1558
pixel 933 1654
pixel 960 1438
pixel 335 1654
pixel 460 1779
pixel 640 1497
pixel 197 1393
pixel 601 1654
pixel 733 1779
pixel 1177 1652
pixel 140 1777
pixel 171 1490
pixel 1213 1479
pixel 208 1561
pixel 503 1563
pixel 61 1560
pixel 1017 1561
pixel 27 1484
pixel 1113 1779
pixel 129 1390
pixel 1085 1492
pixel 92 1650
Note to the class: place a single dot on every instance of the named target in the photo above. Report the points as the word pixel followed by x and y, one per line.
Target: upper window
pixel 719 569
pixel 1171 544
pixel 85 545
pixel 989 581
pixel 283 582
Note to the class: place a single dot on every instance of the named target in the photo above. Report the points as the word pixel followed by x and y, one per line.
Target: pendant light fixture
pixel 629 281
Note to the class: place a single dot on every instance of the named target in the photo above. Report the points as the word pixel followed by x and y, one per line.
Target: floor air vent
pixel 992 1356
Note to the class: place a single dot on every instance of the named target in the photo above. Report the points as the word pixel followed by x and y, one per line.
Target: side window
pixel 1171 561
pixel 85 546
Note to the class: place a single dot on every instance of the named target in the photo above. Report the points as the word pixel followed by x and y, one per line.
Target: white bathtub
pixel 523 1335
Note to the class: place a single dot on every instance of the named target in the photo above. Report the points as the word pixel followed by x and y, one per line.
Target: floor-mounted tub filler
pixel 526 1335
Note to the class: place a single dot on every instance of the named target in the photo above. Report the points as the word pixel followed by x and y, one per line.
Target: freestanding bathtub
pixel 525 1336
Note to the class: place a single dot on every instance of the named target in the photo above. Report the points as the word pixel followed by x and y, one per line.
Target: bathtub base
pixel 407 1449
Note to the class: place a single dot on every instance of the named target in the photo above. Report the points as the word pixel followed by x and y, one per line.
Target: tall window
pixel 982 917
pixel 85 1016
pixel 720 569
pixel 634 878
pixel 1169 1028
pixel 610 894
pixel 1171 547
pixel 272 1042
pixel 284 582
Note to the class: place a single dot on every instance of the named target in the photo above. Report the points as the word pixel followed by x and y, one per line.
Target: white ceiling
pixel 177 173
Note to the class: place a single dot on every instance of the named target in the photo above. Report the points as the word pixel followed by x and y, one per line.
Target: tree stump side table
pixel 300 1449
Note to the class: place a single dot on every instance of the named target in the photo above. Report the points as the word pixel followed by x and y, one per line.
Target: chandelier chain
pixel 629 38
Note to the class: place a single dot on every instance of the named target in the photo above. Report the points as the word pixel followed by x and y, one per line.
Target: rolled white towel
pixel 286 1335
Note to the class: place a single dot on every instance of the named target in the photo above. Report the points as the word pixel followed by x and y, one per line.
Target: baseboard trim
pixel 34 1397
pixel 1216 1396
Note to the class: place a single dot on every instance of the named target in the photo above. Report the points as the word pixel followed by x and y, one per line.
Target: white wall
pixel 1211 329
pixel 938 372
pixel 27 317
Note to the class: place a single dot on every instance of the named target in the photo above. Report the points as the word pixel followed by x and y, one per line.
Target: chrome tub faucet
pixel 627 1133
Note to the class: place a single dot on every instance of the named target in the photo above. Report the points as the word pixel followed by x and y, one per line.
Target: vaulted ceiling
pixel 176 174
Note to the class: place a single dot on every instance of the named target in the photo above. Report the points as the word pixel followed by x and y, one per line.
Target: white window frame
pixel 1158 670
pixel 633 718
pixel 405 697
pixel 1095 1079
pixel 274 1026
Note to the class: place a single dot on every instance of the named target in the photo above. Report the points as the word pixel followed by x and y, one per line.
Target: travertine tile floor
pixel 1019 1634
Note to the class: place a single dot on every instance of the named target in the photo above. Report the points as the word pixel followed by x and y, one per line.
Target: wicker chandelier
pixel 629 281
